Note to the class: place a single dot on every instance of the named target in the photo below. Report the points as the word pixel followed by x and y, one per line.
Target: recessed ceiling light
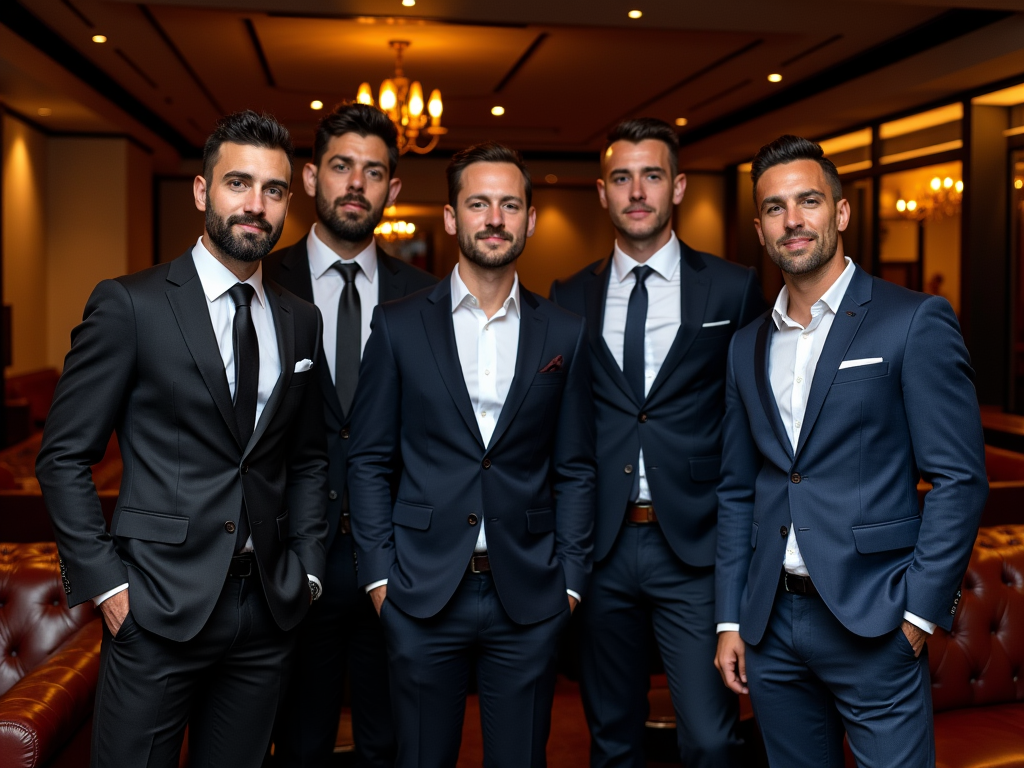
pixel 775 78
pixel 635 14
pixel 681 121
pixel 316 104
pixel 99 38
pixel 551 178
pixel 498 111
pixel 408 3
pixel 44 111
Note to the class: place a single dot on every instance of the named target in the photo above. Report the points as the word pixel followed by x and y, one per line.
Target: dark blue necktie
pixel 633 343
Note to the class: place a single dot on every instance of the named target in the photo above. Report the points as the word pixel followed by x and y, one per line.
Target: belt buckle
pixel 472 565
pixel 798 580
pixel 236 572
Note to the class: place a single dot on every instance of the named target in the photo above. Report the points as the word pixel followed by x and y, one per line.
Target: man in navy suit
pixel 337 266
pixel 474 399
pixel 660 316
pixel 829 577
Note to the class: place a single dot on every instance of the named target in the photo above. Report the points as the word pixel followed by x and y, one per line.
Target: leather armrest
pixel 44 709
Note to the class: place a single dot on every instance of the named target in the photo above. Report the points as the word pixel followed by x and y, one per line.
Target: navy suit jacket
pixel 395 278
pixel 533 484
pixel 850 488
pixel 679 424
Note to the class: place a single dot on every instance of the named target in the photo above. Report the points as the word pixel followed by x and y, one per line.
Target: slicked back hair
pixel 353 117
pixel 642 128
pixel 247 128
pixel 788 149
pixel 488 152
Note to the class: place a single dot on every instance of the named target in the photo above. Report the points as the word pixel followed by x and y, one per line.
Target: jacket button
pixel 332 495
pixel 486 463
pixel 628 469
pixel 229 526
pixel 472 520
pixel 795 477
pixel 344 433
pixel 245 469
pixel 643 418
pixel 784 531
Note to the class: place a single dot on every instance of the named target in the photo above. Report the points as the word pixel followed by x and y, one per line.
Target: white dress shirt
pixel 664 308
pixel 328 284
pixel 792 361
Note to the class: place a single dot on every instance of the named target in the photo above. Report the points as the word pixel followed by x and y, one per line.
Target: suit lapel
pixel 533 329
pixel 284 327
pixel 596 294
pixel 392 283
pixel 188 302
pixel 294 273
pixel 437 321
pixel 762 345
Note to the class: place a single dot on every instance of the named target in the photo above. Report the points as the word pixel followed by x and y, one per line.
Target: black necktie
pixel 633 343
pixel 247 379
pixel 347 344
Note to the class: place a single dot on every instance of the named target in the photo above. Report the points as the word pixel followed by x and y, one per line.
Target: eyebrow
pixel 243 176
pixel 773 199
pixel 351 161
pixel 646 169
pixel 486 199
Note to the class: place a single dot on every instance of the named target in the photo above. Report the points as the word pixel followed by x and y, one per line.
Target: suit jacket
pixel 850 487
pixel 290 268
pixel 145 362
pixel 533 484
pixel 679 424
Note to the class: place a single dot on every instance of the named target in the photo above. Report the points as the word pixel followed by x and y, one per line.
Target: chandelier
pixel 403 103
pixel 942 198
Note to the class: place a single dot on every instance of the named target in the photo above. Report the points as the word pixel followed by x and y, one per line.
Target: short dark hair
pixel 640 129
pixel 488 152
pixel 246 128
pixel 353 117
pixel 788 149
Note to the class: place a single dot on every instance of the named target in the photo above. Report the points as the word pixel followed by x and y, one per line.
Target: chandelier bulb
pixel 416 99
pixel 365 95
pixel 434 106
pixel 388 95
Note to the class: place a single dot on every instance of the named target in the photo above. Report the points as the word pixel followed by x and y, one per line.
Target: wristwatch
pixel 314 591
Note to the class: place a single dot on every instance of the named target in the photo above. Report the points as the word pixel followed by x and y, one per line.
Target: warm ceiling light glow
pixel 552 179
pixel 434 106
pixel 912 205
pixel 635 14
pixel 1018 184
pixel 947 182
pixel 316 104
pixel 416 99
pixel 497 111
pixel 936 183
pixel 959 186
pixel 365 95
pixel 408 3
pixel 901 205
pixel 44 111
pixel 775 77
pixel 388 95
pixel 681 121
pixel 99 38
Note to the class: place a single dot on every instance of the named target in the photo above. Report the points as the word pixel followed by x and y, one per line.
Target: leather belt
pixel 641 514
pixel 479 564
pixel 346 523
pixel 798 585
pixel 242 566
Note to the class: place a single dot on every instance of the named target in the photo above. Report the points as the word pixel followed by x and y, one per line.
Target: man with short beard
pixel 338 267
pixel 215 551
pixel 829 576
pixel 660 316
pixel 473 402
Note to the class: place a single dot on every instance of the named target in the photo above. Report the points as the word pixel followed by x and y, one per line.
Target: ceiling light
pixel 911 205
pixel 1018 184
pixel 947 182
pixel 497 111
pixel 316 104
pixel 681 121
pixel 775 77
pixel 901 205
pixel 936 183
pixel 44 111
pixel 99 38
pixel 408 3
pixel 635 14
pixel 959 186
pixel 552 179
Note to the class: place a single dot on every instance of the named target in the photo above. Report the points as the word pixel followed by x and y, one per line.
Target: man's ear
pixel 199 192
pixel 760 234
pixel 450 226
pixel 394 187
pixel 602 194
pixel 678 188
pixel 309 173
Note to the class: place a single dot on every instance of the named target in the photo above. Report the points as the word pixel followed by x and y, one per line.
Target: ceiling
pixel 564 71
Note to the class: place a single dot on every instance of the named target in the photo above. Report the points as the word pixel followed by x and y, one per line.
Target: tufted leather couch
pixel 49 662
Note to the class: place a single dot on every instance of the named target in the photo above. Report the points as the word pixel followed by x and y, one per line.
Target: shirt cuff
pixel 920 623
pixel 727 626
pixel 576 595
pixel 370 587
pixel 311 577
pixel 109 594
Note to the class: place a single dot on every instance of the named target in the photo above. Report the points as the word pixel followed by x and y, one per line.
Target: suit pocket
pixel 549 379
pixel 705 468
pixel 859 372
pixel 150 526
pixel 282 526
pixel 883 537
pixel 540 520
pixel 299 379
pixel 753 535
pixel 414 516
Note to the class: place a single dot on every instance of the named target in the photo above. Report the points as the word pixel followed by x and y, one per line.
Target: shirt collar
pixel 831 299
pixel 665 261
pixel 322 258
pixel 216 279
pixel 461 294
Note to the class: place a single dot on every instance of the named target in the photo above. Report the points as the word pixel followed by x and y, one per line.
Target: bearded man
pixel 473 402
pixel 215 552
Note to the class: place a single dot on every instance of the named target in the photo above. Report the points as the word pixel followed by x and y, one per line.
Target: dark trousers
pixel 642 583
pixel 810 679
pixel 340 637
pixel 431 661
pixel 223 683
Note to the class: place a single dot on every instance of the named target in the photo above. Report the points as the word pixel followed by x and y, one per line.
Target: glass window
pixel 926 133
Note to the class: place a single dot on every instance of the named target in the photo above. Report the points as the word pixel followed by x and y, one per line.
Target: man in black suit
pixel 474 399
pixel 660 316
pixel 215 550
pixel 352 179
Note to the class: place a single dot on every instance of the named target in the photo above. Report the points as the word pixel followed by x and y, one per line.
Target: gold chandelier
pixel 941 199
pixel 403 103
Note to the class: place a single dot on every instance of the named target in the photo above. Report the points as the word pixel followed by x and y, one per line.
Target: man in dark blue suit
pixel 474 398
pixel 829 577
pixel 660 316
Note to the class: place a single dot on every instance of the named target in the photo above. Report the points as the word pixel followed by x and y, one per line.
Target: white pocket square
pixel 857 363
pixel 716 323
pixel 303 365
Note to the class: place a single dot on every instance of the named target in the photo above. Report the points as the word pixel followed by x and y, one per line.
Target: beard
pixel 241 246
pixel 801 264
pixel 485 256
pixel 349 226
pixel 638 231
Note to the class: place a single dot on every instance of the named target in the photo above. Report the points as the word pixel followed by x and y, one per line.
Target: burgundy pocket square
pixel 554 365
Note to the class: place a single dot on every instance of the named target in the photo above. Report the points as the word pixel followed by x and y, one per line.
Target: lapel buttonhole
pixel 852 314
